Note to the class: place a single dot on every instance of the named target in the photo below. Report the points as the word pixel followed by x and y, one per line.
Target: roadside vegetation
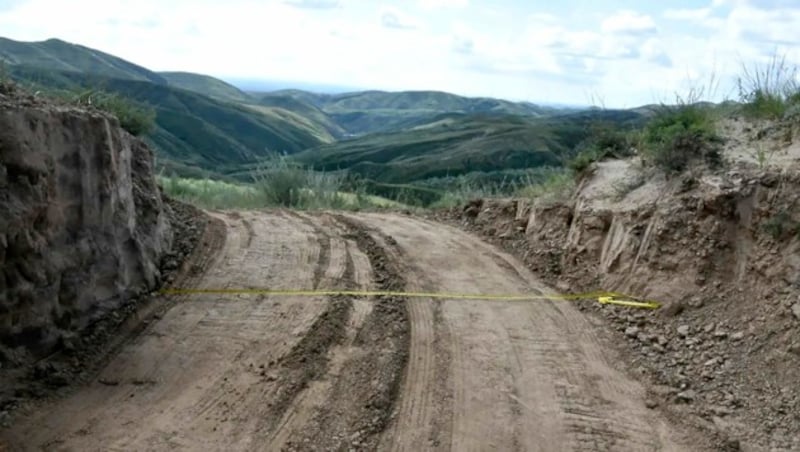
pixel 681 134
pixel 281 182
pixel 135 117
pixel 277 182
pixel 558 186
pixel 138 119
pixel 211 194
pixel 770 90
pixel 606 140
pixel 284 183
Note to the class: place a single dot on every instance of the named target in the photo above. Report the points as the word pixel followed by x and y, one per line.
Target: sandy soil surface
pixel 257 372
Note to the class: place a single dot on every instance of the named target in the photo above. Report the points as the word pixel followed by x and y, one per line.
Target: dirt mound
pixel 84 237
pixel 722 251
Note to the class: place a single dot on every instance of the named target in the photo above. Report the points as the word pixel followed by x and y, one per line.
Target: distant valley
pixel 205 127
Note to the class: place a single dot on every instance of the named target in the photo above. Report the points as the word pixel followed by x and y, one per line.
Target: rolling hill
pixel 205 126
pixel 207 85
pixel 57 55
pixel 195 133
pixel 304 108
pixel 455 144
pixel 367 112
pixel 191 129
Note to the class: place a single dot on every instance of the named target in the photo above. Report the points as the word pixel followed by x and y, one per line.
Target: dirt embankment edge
pixel 722 252
pixel 86 236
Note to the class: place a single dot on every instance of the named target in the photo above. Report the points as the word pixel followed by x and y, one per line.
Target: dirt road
pixel 256 372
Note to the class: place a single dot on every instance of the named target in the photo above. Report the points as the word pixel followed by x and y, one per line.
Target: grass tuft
pixel 284 183
pixel 211 194
pixel 136 118
pixel 680 134
pixel 464 192
pixel 558 186
pixel 781 226
pixel 606 140
pixel 769 90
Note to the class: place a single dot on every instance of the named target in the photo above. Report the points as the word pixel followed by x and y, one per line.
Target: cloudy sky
pixel 620 53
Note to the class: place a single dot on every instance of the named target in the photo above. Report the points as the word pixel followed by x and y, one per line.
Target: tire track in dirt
pixel 323 239
pixel 526 375
pixel 306 362
pixel 599 403
pixel 324 242
pixel 212 359
pixel 102 344
pixel 329 358
pixel 423 418
pixel 589 414
pixel 363 395
pixel 255 372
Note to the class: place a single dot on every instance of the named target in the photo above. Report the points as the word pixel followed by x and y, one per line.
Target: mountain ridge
pixel 207 126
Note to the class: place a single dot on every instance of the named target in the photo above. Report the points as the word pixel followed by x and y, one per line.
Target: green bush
pixel 769 90
pixel 781 226
pixel 137 119
pixel 680 134
pixel 211 194
pixel 301 189
pixel 583 160
pixel 284 183
pixel 461 194
pixel 281 182
pixel 605 141
pixel 558 186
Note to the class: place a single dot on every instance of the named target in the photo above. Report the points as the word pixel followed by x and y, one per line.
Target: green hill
pixel 205 126
pixel 192 129
pixel 194 133
pixel 428 101
pixel 305 109
pixel 58 55
pixel 207 85
pixel 367 112
pixel 452 146
pixel 456 144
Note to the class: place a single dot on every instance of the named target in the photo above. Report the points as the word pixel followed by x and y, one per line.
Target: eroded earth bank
pixel 720 249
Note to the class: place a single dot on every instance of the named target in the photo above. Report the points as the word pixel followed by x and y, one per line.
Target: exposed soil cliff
pixel 82 223
pixel 721 250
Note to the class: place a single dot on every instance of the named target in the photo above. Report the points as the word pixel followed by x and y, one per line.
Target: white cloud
pixel 653 51
pixel 769 4
pixel 313 4
pixel 631 22
pixel 463 45
pixel 696 14
pixel 625 56
pixel 394 18
pixel 543 18
pixel 436 4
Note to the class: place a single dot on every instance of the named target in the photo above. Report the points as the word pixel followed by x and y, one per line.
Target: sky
pixel 621 53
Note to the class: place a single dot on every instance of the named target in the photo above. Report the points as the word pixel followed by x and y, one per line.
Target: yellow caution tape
pixel 629 303
pixel 602 297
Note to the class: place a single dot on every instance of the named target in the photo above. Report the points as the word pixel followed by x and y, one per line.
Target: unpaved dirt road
pixel 256 372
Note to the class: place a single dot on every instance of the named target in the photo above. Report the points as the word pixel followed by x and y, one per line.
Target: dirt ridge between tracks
pixel 363 397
